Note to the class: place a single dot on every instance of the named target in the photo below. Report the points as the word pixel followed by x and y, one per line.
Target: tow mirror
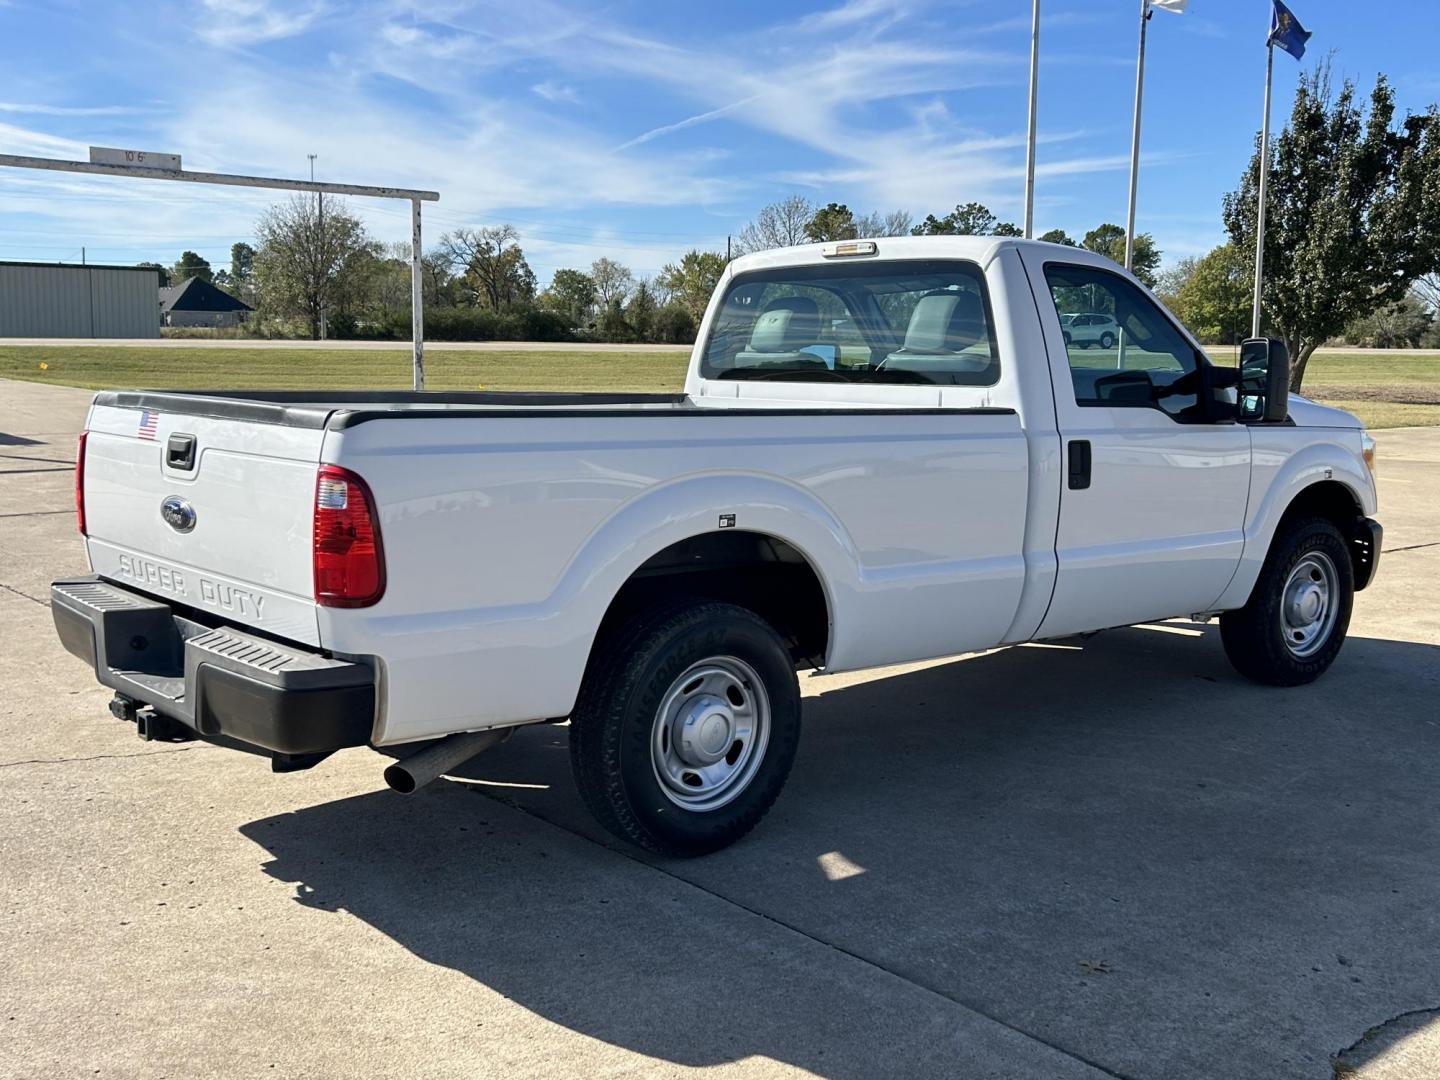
pixel 1264 381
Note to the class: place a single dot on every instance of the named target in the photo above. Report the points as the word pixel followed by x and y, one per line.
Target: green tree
pixel 969 219
pixel 308 263
pixel 1058 236
pixel 674 325
pixel 1214 298
pixel 242 261
pixel 491 266
pixel 613 280
pixel 691 281
pixel 613 326
pixel 190 265
pixel 1109 240
pixel 572 294
pixel 640 311
pixel 1353 214
pixel 1404 324
pixel 834 221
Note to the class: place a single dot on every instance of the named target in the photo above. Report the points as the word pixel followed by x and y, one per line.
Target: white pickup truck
pixel 885 452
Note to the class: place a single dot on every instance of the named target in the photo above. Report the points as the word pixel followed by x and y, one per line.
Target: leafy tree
pixel 613 326
pixel 613 281
pixel 1171 280
pixel 834 221
pixel 307 262
pixel 190 265
pixel 1353 215
pixel 1403 324
pixel 572 294
pixel 1109 240
pixel 640 311
pixel 1214 298
pixel 970 219
pixel 162 271
pixel 491 266
pixel 1058 236
pixel 691 281
pixel 781 224
pixel 674 325
pixel 242 261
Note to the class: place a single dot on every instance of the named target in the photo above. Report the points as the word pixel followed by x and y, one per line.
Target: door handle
pixel 1079 463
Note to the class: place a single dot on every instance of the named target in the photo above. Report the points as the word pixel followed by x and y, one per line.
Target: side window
pixel 1130 354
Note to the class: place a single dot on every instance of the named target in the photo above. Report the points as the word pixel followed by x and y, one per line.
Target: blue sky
pixel 638 130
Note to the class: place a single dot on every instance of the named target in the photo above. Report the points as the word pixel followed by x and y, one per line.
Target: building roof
pixel 78 266
pixel 197 294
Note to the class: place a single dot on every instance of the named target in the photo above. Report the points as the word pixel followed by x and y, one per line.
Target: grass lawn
pixel 1383 389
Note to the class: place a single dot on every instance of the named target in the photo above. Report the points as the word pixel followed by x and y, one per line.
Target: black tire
pixel 1107 340
pixel 633 672
pixel 1257 637
pixel 1067 339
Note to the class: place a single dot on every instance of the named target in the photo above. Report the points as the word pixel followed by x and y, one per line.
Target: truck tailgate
pixel 237 542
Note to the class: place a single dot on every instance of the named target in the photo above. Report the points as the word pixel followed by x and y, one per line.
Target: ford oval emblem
pixel 178 513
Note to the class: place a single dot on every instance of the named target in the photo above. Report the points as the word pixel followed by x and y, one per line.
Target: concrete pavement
pixel 1107 858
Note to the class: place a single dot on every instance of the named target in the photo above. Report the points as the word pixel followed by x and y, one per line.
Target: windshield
pixel 897 322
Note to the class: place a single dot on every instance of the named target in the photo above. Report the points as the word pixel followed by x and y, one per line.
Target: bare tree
pixel 781 224
pixel 895 223
pixel 491 264
pixel 613 281
pixel 1427 289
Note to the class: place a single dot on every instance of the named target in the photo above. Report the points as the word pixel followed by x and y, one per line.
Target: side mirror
pixel 1264 381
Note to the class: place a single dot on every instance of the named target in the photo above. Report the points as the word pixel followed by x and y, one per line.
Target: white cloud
pixel 250 22
pixel 71 110
pixel 557 92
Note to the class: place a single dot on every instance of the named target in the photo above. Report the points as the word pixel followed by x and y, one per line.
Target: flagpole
pixel 1135 139
pixel 1264 175
pixel 1030 153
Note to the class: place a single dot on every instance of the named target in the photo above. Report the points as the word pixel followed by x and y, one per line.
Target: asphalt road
pixel 1106 858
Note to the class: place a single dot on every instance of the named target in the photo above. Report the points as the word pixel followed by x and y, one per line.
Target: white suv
pixel 1090 329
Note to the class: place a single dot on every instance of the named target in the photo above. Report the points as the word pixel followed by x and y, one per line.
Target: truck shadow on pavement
pixel 1115 845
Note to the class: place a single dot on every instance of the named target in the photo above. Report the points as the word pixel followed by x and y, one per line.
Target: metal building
pixel 65 300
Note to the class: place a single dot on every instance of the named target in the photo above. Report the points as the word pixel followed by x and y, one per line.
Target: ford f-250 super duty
pixel 884 452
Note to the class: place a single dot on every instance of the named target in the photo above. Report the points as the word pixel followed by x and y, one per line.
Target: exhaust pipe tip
pixel 410 774
pixel 398 778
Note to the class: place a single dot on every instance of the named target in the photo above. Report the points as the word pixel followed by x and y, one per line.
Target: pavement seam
pixel 94 757
pixel 24 595
pixel 872 964
pixel 24 472
pixel 36 513
pixel 31 457
pixel 1411 547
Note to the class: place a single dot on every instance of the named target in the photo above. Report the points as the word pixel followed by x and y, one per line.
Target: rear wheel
pixel 1293 626
pixel 686 727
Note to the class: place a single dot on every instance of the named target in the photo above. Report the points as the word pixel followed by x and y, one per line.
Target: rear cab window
pixel 909 322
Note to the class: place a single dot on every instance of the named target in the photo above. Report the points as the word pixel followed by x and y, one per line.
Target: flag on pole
pixel 1286 31
pixel 1177 6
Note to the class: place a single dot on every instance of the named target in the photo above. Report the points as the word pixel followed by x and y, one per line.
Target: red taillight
pixel 80 483
pixel 349 561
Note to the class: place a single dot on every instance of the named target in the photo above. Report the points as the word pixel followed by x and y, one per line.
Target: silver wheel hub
pixel 709 733
pixel 1308 606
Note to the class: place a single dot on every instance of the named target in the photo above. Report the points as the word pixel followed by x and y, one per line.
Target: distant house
pixel 195 302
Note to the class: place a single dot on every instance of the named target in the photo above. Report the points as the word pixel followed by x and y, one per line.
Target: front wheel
pixel 686 727
pixel 1107 340
pixel 1292 627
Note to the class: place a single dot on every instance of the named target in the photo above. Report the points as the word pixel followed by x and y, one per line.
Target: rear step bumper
pixel 220 682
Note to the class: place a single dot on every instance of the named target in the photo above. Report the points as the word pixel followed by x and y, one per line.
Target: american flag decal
pixel 149 423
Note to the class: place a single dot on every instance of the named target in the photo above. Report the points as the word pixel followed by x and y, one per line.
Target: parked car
pixel 294 572
pixel 1090 329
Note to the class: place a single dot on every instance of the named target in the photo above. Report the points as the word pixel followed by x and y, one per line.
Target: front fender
pixel 1279 474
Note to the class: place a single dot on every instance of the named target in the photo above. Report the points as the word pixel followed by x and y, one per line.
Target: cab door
pixel 1152 505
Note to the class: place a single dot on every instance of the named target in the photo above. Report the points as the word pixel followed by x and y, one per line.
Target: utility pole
pixel 320 238
pixel 1030 143
pixel 1135 139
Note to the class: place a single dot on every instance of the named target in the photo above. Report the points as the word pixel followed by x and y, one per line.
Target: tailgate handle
pixel 180 452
